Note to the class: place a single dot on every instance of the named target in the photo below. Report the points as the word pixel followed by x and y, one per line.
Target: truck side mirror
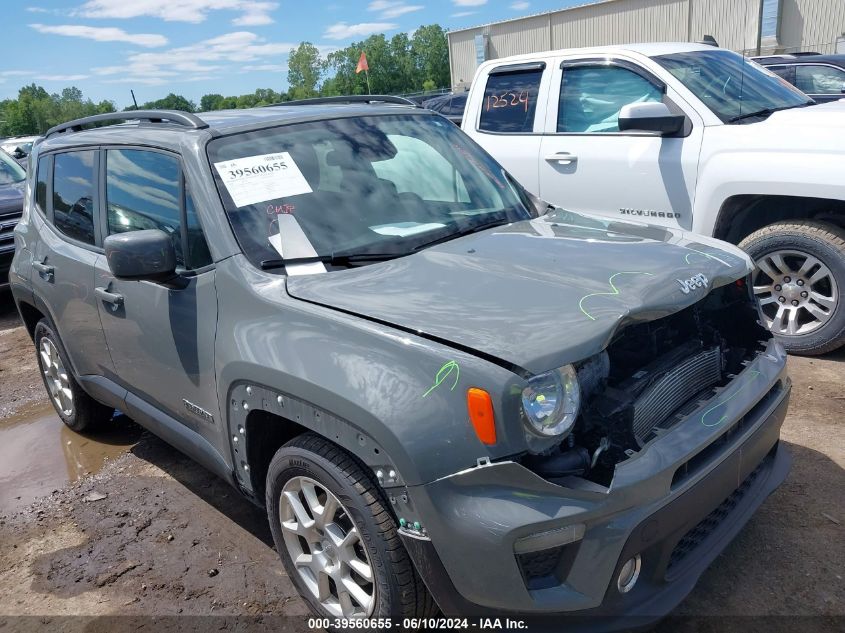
pixel 137 255
pixel 650 117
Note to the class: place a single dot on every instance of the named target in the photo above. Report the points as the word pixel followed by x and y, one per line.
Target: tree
pixel 431 52
pixel 304 70
pixel 211 102
pixel 170 102
pixel 35 111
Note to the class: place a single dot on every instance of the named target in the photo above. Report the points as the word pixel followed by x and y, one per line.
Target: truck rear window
pixel 510 100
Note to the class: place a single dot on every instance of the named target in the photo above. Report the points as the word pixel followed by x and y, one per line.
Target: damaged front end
pixel 649 378
pixel 675 445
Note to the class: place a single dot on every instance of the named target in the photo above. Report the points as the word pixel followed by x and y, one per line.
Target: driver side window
pixel 591 97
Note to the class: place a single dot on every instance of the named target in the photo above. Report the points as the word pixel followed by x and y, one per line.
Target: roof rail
pixel 349 99
pixel 177 117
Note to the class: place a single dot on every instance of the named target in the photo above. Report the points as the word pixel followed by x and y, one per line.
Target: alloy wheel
pixel 795 291
pixel 56 377
pixel 326 548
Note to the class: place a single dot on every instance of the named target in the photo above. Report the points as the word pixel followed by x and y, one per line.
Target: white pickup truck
pixel 688 136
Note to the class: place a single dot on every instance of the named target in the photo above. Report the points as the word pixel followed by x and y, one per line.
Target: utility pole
pixel 760 29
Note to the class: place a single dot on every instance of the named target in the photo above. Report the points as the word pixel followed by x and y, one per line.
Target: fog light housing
pixel 629 574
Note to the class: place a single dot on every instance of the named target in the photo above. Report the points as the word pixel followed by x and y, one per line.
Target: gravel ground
pixel 153 534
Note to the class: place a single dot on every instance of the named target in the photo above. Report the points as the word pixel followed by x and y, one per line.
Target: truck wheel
pixel 336 536
pixel 798 281
pixel 76 408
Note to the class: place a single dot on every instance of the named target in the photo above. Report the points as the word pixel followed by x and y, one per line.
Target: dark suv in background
pixel 822 77
pixel 12 178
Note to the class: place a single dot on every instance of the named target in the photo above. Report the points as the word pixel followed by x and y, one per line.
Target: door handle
pixel 116 300
pixel 562 158
pixel 44 270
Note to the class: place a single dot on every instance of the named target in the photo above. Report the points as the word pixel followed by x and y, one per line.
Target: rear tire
pixel 798 281
pixel 79 411
pixel 309 463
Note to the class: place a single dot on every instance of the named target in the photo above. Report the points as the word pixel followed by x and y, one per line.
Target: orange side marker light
pixel 480 407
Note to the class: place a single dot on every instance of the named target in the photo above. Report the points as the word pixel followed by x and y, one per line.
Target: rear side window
pixel 41 184
pixel 73 195
pixel 144 191
pixel 820 80
pixel 510 101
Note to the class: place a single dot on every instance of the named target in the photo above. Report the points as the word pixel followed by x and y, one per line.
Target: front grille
pixel 697 535
pixel 674 388
pixel 7 229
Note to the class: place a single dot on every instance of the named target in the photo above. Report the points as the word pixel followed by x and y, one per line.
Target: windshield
pixel 378 185
pixel 732 86
pixel 10 171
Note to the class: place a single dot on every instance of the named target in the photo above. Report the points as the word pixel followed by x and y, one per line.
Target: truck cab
pixel 687 136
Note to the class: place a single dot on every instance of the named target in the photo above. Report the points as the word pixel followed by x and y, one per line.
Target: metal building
pixel 749 26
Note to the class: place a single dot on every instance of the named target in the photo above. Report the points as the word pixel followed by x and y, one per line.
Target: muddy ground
pixel 135 529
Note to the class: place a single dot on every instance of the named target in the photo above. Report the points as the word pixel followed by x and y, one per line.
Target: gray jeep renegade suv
pixel 445 393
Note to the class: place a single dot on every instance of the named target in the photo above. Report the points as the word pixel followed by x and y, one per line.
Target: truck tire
pixel 798 282
pixel 351 560
pixel 77 409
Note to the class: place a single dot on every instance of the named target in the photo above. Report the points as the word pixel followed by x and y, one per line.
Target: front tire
pixel 798 282
pixel 336 536
pixel 79 411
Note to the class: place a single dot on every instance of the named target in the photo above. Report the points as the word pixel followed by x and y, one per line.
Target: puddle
pixel 39 454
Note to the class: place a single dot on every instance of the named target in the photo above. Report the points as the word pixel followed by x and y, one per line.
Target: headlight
pixel 551 401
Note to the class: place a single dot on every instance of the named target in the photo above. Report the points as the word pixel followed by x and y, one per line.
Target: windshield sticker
pixel 261 178
pixel 614 291
pixel 404 229
pixel 442 374
pixel 752 376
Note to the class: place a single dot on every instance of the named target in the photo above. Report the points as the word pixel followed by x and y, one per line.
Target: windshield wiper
pixel 335 259
pixel 766 112
pixel 475 228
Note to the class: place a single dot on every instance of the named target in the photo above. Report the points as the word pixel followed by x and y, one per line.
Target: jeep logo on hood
pixel 696 281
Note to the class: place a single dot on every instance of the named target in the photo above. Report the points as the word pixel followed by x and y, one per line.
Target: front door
pixel 161 337
pixel 588 165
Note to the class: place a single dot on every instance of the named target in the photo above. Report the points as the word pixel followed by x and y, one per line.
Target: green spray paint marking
pixel 752 376
pixel 609 294
pixel 442 374
pixel 703 254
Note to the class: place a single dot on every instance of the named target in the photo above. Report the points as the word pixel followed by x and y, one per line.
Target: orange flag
pixel 362 64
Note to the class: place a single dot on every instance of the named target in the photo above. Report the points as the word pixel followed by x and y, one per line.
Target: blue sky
pixel 193 47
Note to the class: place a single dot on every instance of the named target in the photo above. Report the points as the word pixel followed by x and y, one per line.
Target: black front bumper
pixel 677 542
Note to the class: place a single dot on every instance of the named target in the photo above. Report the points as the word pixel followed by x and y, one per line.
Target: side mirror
pixel 18 153
pixel 650 117
pixel 137 255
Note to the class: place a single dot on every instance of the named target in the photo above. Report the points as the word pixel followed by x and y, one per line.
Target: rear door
pixel 587 164
pixel 510 116
pixel 161 337
pixel 66 254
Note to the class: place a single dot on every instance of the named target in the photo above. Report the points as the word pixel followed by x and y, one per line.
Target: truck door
pixel 587 164
pixel 508 116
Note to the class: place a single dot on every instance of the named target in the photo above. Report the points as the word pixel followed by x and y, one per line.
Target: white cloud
pixel 37 10
pixel 469 3
pixel 253 12
pixel 390 9
pixel 520 6
pixel 202 60
pixel 344 31
pixel 61 77
pixel 102 34
pixel 16 73
pixel 463 14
